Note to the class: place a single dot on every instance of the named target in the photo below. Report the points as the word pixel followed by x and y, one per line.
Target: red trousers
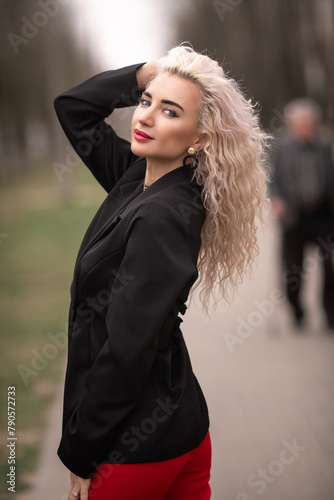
pixel 181 478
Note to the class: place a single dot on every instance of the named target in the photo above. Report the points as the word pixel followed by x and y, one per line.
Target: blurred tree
pixel 276 50
pixel 39 58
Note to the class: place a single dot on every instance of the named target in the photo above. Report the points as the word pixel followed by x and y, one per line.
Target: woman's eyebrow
pixel 165 101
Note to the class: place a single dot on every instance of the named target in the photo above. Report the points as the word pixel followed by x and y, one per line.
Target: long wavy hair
pixel 231 170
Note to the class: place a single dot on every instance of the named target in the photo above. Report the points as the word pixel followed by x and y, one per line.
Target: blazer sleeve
pixel 156 268
pixel 82 111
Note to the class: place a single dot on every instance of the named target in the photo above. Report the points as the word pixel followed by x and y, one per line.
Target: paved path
pixel 52 479
pixel 269 390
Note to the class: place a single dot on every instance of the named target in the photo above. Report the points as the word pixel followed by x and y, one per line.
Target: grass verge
pixel 40 233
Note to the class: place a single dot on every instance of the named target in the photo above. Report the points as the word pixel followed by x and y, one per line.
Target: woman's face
pixel 164 124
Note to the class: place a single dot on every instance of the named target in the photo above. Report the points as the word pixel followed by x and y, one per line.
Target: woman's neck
pixel 155 170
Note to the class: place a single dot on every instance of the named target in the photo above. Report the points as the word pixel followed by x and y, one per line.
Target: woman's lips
pixel 141 136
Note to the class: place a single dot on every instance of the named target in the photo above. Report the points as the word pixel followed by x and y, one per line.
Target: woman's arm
pixel 82 111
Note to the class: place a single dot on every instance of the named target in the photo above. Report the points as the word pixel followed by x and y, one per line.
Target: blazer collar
pixel 179 174
pixel 135 175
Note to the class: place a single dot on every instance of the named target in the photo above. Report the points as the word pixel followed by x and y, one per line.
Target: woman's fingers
pixel 145 73
pixel 79 488
pixel 74 488
pixel 84 491
pixel 70 495
pixel 75 492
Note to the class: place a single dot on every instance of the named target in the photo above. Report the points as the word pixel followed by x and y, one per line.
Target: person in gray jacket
pixel 303 198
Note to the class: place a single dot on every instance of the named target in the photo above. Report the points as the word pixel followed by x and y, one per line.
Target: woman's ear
pixel 201 141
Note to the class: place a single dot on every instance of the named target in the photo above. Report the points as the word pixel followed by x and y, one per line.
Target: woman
pixel 182 202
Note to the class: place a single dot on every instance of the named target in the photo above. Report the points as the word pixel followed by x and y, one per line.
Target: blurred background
pixel 266 388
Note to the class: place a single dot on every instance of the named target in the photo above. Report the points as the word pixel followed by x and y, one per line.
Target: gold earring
pixel 192 156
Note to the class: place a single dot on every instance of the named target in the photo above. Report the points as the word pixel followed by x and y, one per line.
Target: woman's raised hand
pixel 146 72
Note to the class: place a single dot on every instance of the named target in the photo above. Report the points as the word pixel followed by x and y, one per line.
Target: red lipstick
pixel 141 136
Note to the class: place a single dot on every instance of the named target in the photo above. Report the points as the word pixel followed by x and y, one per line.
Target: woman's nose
pixel 147 116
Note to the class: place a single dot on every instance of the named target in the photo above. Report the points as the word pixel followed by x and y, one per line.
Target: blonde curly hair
pixel 230 170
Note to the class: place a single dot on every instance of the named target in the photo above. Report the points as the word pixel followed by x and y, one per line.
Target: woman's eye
pixel 144 102
pixel 171 112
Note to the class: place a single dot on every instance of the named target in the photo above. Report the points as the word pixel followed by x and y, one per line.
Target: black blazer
pixel 130 393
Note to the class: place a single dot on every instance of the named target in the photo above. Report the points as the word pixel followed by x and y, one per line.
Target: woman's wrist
pixel 145 73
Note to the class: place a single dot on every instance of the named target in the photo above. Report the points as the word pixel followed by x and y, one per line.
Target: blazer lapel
pixel 137 197
pixel 114 220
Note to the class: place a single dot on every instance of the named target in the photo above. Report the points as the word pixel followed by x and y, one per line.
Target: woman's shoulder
pixel 185 199
pixel 176 208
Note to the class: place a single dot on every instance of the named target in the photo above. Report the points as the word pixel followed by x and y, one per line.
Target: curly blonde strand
pixel 231 171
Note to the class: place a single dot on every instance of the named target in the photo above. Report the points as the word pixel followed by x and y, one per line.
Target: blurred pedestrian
pixel 302 195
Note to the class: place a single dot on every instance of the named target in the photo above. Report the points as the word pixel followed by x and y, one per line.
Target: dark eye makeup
pixel 170 112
